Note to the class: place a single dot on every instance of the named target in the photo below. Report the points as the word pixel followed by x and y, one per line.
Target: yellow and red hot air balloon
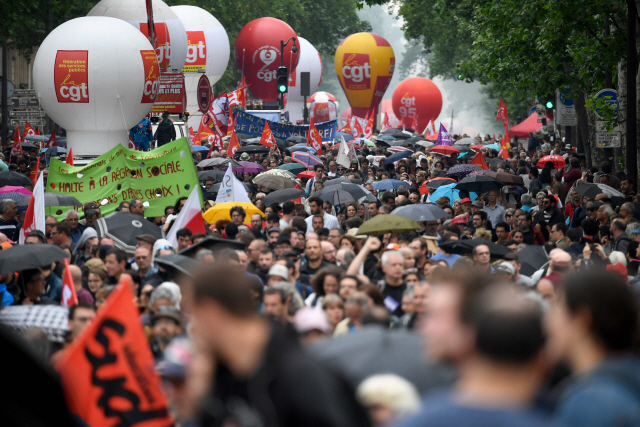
pixel 364 64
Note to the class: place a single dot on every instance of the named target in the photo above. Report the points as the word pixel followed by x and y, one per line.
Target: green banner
pixel 159 177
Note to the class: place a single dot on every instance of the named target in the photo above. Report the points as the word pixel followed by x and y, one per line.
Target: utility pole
pixel 5 93
pixel 631 161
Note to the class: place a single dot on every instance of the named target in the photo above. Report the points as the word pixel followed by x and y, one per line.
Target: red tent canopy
pixel 522 130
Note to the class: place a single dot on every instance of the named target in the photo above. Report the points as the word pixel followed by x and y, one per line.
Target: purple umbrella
pixel 306 159
pixel 248 167
pixel 460 171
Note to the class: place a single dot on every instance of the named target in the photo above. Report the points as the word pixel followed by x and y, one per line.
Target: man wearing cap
pixel 146 241
pixel 165 325
pixel 273 233
pixel 520 279
pixel 505 271
pixel 466 204
pixel 283 244
pixel 277 273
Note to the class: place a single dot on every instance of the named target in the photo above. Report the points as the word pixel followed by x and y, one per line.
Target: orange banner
pixel 108 372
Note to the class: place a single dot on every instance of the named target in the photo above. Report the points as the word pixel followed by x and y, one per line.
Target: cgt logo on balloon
pixel 356 71
pixel 408 108
pixel 164 42
pixel 151 76
pixel 196 52
pixel 71 76
pixel 266 54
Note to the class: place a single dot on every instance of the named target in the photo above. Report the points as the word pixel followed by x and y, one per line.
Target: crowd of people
pixel 238 340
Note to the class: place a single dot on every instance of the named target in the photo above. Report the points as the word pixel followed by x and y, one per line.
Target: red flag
pixel 108 372
pixel 35 173
pixel 52 142
pixel 234 144
pixel 504 146
pixel 132 145
pixel 69 296
pixel 502 114
pixel 17 148
pixel 267 138
pixel 414 123
pixel 70 157
pixel 356 128
pixel 368 129
pixel 29 130
pixel 39 132
pixel 313 138
pixel 479 160
pixel 191 134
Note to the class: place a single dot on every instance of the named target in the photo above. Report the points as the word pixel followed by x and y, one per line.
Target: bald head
pixel 76 275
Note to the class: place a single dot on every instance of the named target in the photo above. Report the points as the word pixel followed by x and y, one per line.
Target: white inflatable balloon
pixel 170 32
pixel 311 62
pixel 208 49
pixel 323 107
pixel 97 77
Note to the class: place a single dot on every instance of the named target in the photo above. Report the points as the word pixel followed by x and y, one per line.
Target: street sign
pixel 33 122
pixel 34 113
pixel 612 96
pixel 606 139
pixel 24 102
pixel 203 93
pixel 565 111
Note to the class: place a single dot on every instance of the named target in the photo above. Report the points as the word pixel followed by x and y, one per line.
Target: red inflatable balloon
pixel 257 51
pixel 345 117
pixel 417 96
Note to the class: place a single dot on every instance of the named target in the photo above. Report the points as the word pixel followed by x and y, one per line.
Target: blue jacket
pixel 579 214
pixel 53 288
pixel 141 134
pixel 608 396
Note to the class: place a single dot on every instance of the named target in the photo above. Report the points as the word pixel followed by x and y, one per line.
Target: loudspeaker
pixel 305 83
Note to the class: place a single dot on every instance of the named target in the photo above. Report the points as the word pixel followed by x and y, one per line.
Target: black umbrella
pixel 124 228
pixel 344 193
pixel 415 139
pixel 343 179
pixel 281 196
pixel 178 263
pixel 382 143
pixel 28 146
pixel 54 151
pixel 437 182
pixel 24 257
pixel 299 148
pixel 400 142
pixel 479 183
pixel 53 199
pixel 375 350
pixel 296 139
pixel 460 171
pixel 212 243
pixel 397 133
pixel 421 212
pixel 216 175
pixel 216 187
pixel 466 246
pixel 531 259
pixel 496 162
pixel 252 149
pixel 14 178
pixel 218 162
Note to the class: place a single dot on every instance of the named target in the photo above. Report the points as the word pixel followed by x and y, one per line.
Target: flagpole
pixel 451 125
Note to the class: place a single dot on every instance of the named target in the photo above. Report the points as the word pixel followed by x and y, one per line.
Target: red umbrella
pixel 477 147
pixel 444 149
pixel 432 137
pixel 435 183
pixel 558 161
pixel 307 174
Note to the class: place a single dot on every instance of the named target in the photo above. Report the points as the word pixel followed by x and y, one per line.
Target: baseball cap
pixel 505 267
pixel 272 229
pixel 290 253
pixel 393 247
pixel 279 270
pixel 283 239
pixel 477 203
pixel 567 147
pixel 166 312
pixel 460 219
pixel 307 319
pixel 465 200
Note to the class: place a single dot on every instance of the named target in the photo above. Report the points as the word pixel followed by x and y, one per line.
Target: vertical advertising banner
pixel 161 33
pixel 151 76
pixel 196 52
pixel 71 76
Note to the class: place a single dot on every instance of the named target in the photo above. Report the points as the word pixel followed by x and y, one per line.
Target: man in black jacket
pixel 550 214
pixel 165 132
pixel 262 375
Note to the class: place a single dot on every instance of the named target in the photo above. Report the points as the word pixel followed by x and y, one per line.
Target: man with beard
pixel 165 325
pixel 531 235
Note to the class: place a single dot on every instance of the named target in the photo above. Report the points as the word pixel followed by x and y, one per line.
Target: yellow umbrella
pixel 220 212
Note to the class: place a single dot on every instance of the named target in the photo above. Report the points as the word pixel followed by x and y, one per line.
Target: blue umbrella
pixel 492 146
pixel 346 136
pixel 199 148
pixel 54 151
pixel 397 156
pixel 450 192
pixel 301 148
pixel 306 159
pixel 389 184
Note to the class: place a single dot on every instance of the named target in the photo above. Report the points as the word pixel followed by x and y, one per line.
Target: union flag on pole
pixel 267 138
pixel 69 296
pixel 430 129
pixel 502 114
pixel 70 157
pixel 108 372
pixel 234 144
pixel 29 130
pixel 132 144
pixel 189 217
pixel 504 146
pixel 385 123
pixel 414 123
pixel 52 142
pixel 368 129
pixel 313 138
pixel 17 148
pixel 479 160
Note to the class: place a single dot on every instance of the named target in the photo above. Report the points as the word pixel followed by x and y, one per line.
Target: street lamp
pixel 283 72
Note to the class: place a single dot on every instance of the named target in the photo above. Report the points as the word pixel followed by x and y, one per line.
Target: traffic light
pixel 282 77
pixel 460 76
pixel 549 105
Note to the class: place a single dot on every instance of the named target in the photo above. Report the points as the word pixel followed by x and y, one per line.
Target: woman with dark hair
pixel 545 175
pixel 325 282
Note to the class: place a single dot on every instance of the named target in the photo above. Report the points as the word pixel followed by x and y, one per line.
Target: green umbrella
pixel 387 223
pixel 294 168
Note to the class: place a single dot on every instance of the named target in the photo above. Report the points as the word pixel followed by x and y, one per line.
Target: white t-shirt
pixel 330 222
